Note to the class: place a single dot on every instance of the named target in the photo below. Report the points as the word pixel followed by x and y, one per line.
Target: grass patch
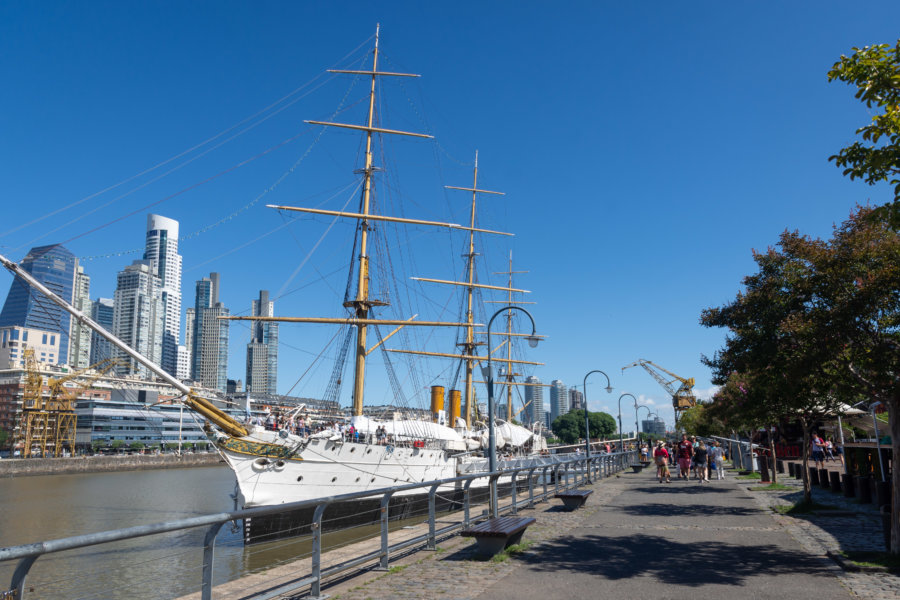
pixel 802 508
pixel 504 554
pixel 754 475
pixel 873 559
pixel 770 487
pixel 396 569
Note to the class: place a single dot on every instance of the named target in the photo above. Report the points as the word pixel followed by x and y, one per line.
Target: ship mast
pixel 362 303
pixel 469 345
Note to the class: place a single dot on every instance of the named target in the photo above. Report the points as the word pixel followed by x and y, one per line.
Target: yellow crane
pixel 682 397
pixel 48 421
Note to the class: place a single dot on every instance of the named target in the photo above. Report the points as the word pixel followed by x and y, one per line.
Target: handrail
pixel 27 554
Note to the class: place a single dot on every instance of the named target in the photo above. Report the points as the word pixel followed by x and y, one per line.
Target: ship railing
pixel 563 475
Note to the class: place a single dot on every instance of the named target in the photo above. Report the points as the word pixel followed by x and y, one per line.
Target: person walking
pixel 701 456
pixel 817 449
pixel 684 453
pixel 717 458
pixel 661 455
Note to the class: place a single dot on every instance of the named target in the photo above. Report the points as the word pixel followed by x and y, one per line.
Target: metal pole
pixel 587 421
pixel 843 454
pixel 622 443
pixel 877 443
pixel 492 441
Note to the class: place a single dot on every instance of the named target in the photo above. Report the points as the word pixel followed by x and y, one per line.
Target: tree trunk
pixel 894 420
pixel 772 454
pixel 807 490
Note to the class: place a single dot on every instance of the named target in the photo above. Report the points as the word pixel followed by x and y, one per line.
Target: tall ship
pixel 279 465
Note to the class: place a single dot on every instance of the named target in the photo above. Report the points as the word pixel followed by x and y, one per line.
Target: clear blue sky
pixel 645 150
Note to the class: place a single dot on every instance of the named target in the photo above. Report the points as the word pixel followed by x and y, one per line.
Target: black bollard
pixel 791 469
pixel 823 478
pixel 835 478
pixel 847 484
pixel 883 494
pixel 863 491
pixel 813 476
pixel 780 465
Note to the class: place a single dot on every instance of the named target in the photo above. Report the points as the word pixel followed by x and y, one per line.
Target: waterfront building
pixel 654 426
pixel 534 401
pixel 14 340
pixel 54 266
pixel 80 338
pixel 138 316
pixel 559 399
pixel 262 351
pixel 161 251
pixel 210 340
pixel 576 399
pixel 102 310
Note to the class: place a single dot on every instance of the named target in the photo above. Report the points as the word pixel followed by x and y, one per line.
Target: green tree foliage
pixel 136 446
pixel 816 329
pixel 117 444
pixel 570 427
pixel 4 436
pixel 875 71
pixel 701 420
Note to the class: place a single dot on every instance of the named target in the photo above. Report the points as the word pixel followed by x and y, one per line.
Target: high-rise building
pixel 161 251
pixel 183 364
pixel 189 338
pixel 15 340
pixel 654 426
pixel 101 312
pixel 53 266
pixel 559 399
pixel 210 354
pixel 576 399
pixel 262 351
pixel 80 338
pixel 138 315
pixel 534 400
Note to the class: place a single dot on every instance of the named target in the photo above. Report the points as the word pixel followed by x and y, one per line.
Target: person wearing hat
pixel 661 455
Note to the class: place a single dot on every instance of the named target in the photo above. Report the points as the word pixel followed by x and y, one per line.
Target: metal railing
pixel 565 475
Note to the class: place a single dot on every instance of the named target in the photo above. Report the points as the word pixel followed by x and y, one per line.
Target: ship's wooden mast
pixel 470 344
pixel 509 335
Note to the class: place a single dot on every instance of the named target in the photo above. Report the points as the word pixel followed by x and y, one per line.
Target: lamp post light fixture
pixel 587 421
pixel 488 372
pixel 622 443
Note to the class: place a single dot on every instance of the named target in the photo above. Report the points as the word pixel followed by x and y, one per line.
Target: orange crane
pixel 682 397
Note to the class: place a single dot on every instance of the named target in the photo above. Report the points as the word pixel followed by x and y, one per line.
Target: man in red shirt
pixel 685 452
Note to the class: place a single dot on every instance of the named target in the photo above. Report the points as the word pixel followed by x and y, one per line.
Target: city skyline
pixel 664 167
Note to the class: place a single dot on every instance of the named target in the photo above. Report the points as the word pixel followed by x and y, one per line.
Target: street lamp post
pixel 533 340
pixel 638 407
pixel 587 422
pixel 622 443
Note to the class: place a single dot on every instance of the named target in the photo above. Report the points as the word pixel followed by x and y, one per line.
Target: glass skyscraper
pixel 210 340
pixel 54 266
pixel 162 251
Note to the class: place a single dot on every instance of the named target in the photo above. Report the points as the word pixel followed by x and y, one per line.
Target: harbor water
pixel 155 567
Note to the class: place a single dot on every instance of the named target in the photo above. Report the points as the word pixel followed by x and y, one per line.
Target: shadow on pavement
pixel 674 488
pixel 687 564
pixel 675 510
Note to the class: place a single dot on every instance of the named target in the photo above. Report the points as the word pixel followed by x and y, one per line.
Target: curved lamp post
pixel 638 407
pixel 533 340
pixel 587 422
pixel 621 443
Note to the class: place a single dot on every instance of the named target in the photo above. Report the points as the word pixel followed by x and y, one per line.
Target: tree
pixel 3 437
pixel 875 71
pixel 97 444
pixel 772 344
pixel 136 446
pixel 117 444
pixel 570 427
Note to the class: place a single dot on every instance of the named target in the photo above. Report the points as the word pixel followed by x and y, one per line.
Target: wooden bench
pixel 573 499
pixel 494 535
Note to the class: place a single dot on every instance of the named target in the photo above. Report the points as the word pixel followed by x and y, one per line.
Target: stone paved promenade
pixel 637 538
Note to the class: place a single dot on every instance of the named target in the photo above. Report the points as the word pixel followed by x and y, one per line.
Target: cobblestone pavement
pixel 610 547
pixel 820 534
pixel 455 571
